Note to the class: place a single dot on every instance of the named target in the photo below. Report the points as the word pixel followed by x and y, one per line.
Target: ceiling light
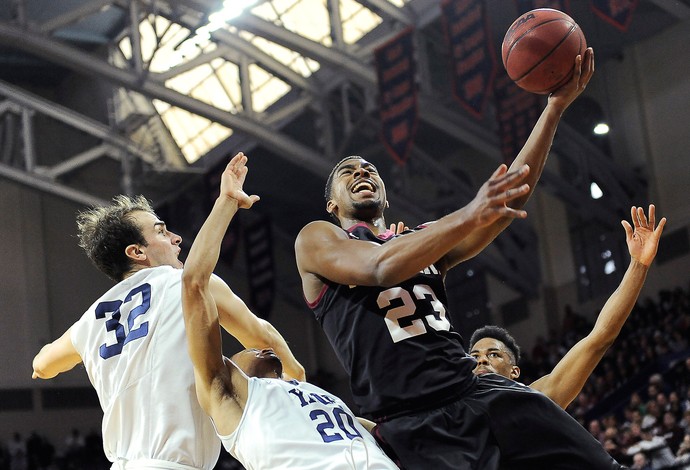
pixel 595 191
pixel 601 128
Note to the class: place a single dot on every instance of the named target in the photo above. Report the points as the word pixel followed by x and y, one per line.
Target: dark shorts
pixel 499 424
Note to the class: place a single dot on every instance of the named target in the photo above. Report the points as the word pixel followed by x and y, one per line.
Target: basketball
pixel 539 50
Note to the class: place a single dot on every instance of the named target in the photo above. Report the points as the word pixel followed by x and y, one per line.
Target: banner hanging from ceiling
pixel 396 71
pixel 517 112
pixel 618 13
pixel 473 59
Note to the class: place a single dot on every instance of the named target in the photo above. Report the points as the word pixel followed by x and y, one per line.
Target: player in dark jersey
pixel 381 301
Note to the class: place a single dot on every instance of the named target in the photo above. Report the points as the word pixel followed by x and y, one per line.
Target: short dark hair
pixel 501 334
pixel 329 182
pixel 105 231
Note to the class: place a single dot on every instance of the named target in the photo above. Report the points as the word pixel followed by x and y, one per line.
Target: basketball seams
pixel 573 27
pixel 568 76
pixel 514 41
pixel 542 62
pixel 546 56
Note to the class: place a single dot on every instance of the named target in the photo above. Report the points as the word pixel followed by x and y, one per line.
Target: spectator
pixel 640 462
pixel 653 416
pixel 632 436
pixel 683 453
pixel 674 404
pixel 596 430
pixel 671 431
pixel 655 448
pixel 662 402
pixel 685 422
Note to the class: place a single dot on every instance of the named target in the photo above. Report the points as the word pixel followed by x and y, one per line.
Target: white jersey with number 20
pixel 299 426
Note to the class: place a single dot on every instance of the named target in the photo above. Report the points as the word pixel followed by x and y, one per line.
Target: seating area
pixel 637 401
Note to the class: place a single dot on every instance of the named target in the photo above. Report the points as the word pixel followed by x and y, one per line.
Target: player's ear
pixel 331 206
pixel 514 372
pixel 135 252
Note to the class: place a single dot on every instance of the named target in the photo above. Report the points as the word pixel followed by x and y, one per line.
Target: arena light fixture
pixel 231 9
pixel 601 128
pixel 595 191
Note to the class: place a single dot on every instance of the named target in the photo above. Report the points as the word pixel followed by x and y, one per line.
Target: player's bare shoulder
pixel 317 232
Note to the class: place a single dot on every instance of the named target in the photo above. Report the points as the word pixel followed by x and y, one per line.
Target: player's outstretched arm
pixel 323 250
pixel 569 376
pixel 221 392
pixel 55 358
pixel 251 331
pixel 534 153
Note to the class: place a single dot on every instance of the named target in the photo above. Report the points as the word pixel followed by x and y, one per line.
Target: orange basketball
pixel 539 50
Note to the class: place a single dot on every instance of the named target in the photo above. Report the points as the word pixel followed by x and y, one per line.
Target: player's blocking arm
pixel 251 331
pixel 214 381
pixel 570 374
pixel 200 313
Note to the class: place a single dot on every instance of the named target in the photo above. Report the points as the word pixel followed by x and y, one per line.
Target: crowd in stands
pixel 637 401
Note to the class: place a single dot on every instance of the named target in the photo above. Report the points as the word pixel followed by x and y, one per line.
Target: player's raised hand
pixel 582 74
pixel 232 181
pixel 643 237
pixel 491 201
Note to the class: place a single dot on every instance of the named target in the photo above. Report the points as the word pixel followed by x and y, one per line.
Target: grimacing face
pixel 493 357
pixel 259 363
pixel 357 191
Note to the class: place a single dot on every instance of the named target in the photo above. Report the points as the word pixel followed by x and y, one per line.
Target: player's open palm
pixel 643 237
pixel 232 181
pixel 491 201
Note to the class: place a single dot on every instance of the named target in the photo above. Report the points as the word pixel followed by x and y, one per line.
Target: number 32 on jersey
pixel 137 301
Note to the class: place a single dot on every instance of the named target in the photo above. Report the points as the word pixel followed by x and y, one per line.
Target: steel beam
pixel 49 186
pixel 72 118
pixel 81 62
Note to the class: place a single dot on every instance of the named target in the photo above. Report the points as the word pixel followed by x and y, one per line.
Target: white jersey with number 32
pixel 132 341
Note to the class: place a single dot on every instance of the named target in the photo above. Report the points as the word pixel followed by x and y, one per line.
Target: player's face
pixel 163 247
pixel 358 191
pixel 259 363
pixel 493 357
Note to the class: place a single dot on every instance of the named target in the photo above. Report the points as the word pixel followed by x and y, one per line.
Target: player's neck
pixel 377 226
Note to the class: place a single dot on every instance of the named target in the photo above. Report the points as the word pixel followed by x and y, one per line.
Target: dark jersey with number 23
pixel 396 343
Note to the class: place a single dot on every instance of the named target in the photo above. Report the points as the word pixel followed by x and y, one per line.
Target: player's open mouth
pixel 363 186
